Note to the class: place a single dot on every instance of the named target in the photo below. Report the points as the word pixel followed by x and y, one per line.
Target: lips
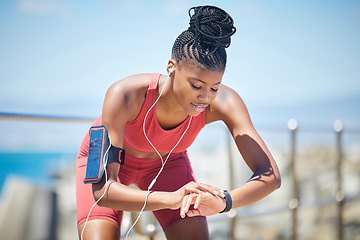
pixel 199 107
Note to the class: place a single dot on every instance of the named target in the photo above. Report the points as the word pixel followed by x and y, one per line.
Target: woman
pixel 155 118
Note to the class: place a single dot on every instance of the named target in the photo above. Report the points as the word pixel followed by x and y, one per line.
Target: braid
pixel 206 38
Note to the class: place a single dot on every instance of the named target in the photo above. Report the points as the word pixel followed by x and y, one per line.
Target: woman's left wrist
pixel 228 202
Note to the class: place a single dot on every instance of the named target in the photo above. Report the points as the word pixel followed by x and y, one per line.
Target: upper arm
pixel 122 104
pixel 230 108
pixel 114 114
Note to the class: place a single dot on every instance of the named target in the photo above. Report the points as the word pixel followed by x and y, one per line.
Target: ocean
pixel 38 168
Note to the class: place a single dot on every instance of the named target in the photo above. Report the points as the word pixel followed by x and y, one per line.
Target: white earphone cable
pixel 106 183
pixel 147 113
pixel 162 161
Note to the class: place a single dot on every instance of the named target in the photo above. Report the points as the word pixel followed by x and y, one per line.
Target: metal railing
pixel 42 117
pixel 294 203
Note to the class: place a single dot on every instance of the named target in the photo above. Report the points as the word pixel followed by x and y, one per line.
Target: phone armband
pixel 98 146
pixel 101 154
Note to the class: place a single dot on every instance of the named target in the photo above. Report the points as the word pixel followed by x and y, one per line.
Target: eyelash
pixel 215 90
pixel 195 86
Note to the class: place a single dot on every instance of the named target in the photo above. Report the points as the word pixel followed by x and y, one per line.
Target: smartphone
pixel 99 143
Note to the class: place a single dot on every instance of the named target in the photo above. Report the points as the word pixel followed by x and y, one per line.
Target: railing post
pixel 340 196
pixel 294 201
pixel 231 185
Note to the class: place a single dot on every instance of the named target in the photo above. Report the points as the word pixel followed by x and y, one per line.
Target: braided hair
pixel 206 38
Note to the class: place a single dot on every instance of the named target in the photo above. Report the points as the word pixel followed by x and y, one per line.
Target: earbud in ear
pixel 171 70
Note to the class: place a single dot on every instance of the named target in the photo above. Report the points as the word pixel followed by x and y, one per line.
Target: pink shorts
pixel 140 172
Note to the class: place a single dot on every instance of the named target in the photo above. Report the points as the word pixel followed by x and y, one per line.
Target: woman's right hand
pixel 178 197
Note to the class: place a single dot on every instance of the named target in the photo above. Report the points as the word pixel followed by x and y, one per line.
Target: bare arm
pixel 230 108
pixel 120 106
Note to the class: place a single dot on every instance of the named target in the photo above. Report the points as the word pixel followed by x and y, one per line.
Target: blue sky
pixel 59 57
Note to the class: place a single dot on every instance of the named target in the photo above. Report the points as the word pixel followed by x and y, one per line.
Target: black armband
pixel 116 155
pixel 228 202
pixel 101 154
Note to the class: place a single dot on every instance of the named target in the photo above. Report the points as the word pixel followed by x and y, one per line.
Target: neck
pixel 168 102
pixel 168 111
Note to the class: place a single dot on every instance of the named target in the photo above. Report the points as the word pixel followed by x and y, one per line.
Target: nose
pixel 205 95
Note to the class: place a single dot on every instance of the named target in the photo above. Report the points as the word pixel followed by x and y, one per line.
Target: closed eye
pixel 199 87
pixel 196 87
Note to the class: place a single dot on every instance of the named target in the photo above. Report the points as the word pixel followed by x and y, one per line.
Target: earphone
pixel 171 70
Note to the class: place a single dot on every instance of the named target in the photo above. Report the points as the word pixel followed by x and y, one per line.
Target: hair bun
pixel 211 25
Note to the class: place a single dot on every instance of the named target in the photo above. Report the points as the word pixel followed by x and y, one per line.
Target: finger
pixel 193 213
pixel 192 184
pixel 197 201
pixel 190 201
pixel 192 190
pixel 186 203
pixel 213 190
pixel 182 214
pixel 182 209
pixel 197 187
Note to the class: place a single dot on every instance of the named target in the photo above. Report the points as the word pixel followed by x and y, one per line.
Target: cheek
pixel 185 95
pixel 213 96
pixel 183 90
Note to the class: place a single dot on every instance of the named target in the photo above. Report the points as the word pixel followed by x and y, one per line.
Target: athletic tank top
pixel 163 140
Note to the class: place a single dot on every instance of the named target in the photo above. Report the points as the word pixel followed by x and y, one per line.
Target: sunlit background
pixel 288 60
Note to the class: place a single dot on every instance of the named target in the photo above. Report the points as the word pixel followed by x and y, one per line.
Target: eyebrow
pixel 196 79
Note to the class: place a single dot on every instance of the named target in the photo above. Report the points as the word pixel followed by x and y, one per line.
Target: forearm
pixel 121 197
pixel 259 186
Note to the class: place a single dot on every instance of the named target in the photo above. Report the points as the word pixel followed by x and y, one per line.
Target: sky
pixel 59 57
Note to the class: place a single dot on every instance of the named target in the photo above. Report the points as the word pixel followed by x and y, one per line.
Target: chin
pixel 194 113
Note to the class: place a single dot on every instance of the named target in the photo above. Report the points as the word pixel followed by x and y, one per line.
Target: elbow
pixel 99 195
pixel 99 200
pixel 276 182
pixel 271 178
pixel 275 178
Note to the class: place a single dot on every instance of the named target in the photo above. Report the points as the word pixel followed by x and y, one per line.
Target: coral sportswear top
pixel 163 140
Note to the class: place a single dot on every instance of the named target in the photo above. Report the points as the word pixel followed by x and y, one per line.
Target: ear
pixel 171 66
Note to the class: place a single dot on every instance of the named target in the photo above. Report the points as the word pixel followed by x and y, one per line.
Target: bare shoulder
pixel 130 86
pixel 228 106
pixel 126 96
